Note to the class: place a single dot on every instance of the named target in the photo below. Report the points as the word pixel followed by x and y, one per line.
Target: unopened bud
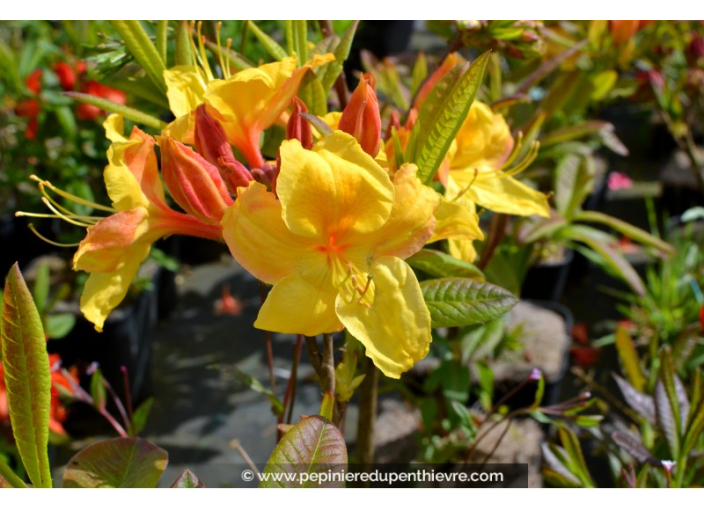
pixel 299 128
pixel 451 61
pixel 194 183
pixel 535 375
pixel 361 116
pixel 211 142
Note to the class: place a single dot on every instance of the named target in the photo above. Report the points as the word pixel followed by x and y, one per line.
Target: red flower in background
pixel 58 379
pixel 90 112
pixel 701 317
pixel 30 107
pixel 70 77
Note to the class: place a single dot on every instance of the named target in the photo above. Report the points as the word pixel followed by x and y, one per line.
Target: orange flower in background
pixel 622 30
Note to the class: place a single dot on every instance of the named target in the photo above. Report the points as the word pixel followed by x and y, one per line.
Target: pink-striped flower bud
pixel 194 183
pixel 361 116
pixel 211 143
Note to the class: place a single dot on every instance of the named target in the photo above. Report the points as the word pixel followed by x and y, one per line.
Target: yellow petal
pixel 411 221
pixel 508 195
pixel 456 220
pixel 182 129
pixel 395 330
pixel 333 190
pixel 132 175
pixel 462 249
pixel 245 96
pixel 296 306
pixel 114 127
pixel 103 292
pixel 259 239
pixel 185 88
pixel 483 142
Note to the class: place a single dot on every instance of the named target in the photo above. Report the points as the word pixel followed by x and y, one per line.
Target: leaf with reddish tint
pixel 27 377
pixel 312 446
pixel 113 463
pixel 187 480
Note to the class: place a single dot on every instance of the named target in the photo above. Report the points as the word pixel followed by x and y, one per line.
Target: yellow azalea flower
pixel 245 103
pixel 477 160
pixel 114 247
pixel 333 247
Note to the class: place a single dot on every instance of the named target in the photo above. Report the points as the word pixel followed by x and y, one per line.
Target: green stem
pixel 366 424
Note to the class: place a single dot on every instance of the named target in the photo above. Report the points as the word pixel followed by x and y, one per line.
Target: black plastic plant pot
pixel 546 281
pixel 124 342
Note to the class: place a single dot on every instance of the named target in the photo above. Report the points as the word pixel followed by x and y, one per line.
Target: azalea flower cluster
pixel 328 224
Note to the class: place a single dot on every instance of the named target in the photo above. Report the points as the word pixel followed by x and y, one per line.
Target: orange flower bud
pixel 298 128
pixel 194 183
pixel 211 143
pixel 361 116
pixel 452 60
pixel 623 29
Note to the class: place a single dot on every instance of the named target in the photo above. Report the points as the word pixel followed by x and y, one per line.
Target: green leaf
pixel 97 389
pixel 463 301
pixel 271 46
pixel 318 124
pixel 162 28
pixel 277 406
pixel 8 478
pixel 27 377
pixel 141 48
pixel 629 357
pixel 129 113
pixel 574 451
pixel 440 264
pixel 327 406
pixel 611 259
pixel 127 462
pixel 313 445
pixel 140 415
pixel 312 94
pixel 41 287
pixel 574 180
pixel 333 69
pixel 59 325
pixel 398 150
pixel 603 83
pixel 187 480
pixel 297 39
pixel 633 233
pixel 443 113
pixel 184 57
pixel 419 74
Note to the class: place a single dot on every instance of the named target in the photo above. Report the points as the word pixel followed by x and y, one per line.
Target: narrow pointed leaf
pixel 27 377
pixel 142 49
pixel 8 478
pixel 271 46
pixel 342 51
pixel 187 480
pixel 314 445
pixel 463 301
pixel 419 74
pixel 640 402
pixel 141 118
pixel 667 418
pixel 318 124
pixel 439 265
pixel 127 462
pixel 443 113
pixel 297 39
pixel 634 447
pixel 162 28
pixel 184 56
pixel 629 358
pixel 620 226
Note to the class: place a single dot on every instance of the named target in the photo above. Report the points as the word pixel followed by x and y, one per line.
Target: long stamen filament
pixel 64 217
pixel 47 240
pixel 71 197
